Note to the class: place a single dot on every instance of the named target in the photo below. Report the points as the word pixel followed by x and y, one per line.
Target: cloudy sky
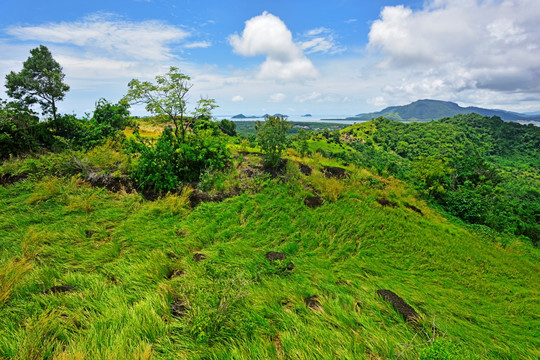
pixel 340 57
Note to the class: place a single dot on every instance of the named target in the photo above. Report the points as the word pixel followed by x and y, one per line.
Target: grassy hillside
pixel 166 279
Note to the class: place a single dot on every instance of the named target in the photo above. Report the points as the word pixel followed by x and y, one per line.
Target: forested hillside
pixel 483 170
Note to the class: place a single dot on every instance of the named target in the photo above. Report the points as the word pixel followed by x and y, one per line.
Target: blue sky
pixel 321 57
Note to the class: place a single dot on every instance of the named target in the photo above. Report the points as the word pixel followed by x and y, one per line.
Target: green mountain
pixel 427 110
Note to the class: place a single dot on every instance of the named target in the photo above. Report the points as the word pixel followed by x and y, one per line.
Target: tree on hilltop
pixel 40 81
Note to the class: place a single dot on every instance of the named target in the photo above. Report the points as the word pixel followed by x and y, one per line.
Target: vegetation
pixel 40 81
pixel 230 259
pixel 483 170
pixel 272 137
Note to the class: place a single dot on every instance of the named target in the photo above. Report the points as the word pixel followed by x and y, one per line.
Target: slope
pixel 166 280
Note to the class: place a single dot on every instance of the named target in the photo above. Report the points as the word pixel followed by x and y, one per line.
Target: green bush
pixel 167 163
pixel 272 135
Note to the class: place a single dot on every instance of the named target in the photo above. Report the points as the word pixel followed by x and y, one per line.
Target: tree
pixel 204 109
pixel 272 134
pixel 40 81
pixel 166 98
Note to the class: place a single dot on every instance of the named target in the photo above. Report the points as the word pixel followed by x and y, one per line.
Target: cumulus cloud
pixel 147 40
pixel 451 46
pixel 267 35
pixel 277 97
pixel 237 98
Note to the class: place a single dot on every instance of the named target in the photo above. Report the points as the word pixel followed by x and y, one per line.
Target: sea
pixel 337 119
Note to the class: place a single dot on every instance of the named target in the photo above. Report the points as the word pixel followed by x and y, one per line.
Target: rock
pixel 172 273
pixel 290 267
pixel 275 255
pixel 178 309
pixel 111 182
pixel 198 196
pixel 313 201
pixel 59 289
pixel 335 172
pixel 304 169
pixel 386 202
pixel 313 303
pixel 408 313
pixel 8 179
pixel 414 208
pixel 198 257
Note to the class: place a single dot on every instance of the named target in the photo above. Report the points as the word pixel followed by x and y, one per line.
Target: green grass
pixel 120 250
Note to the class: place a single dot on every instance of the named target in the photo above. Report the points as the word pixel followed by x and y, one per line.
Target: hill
pixel 427 110
pixel 94 270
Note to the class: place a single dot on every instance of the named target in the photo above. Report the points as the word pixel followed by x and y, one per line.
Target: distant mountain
pixel 427 110
pixel 242 116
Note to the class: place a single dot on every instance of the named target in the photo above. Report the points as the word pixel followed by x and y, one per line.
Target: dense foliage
pixel 483 170
pixel 21 132
pixel 272 138
pixel 164 165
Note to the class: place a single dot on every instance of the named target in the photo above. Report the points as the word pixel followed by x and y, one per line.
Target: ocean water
pixel 298 118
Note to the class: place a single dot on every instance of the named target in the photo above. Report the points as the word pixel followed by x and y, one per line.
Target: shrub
pixel 272 134
pixel 170 161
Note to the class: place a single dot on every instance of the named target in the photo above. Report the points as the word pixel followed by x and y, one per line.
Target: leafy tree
pixel 166 98
pixel 204 109
pixel 272 135
pixel 228 127
pixel 40 81
pixel 302 142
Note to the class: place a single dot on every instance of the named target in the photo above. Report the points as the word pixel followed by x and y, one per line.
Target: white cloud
pixel 147 40
pixel 267 35
pixel 198 44
pixel 377 101
pixel 320 40
pixel 452 46
pixel 237 98
pixel 307 97
pixel 277 97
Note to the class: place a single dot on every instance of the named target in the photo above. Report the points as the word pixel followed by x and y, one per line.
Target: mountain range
pixel 427 110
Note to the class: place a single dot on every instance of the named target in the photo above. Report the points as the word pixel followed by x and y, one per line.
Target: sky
pixel 340 57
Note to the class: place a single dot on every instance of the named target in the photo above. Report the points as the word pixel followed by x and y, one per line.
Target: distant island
pixel 242 116
pixel 307 115
pixel 428 110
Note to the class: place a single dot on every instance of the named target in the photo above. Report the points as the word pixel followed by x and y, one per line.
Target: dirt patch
pixel 275 255
pixel 406 311
pixel 313 201
pixel 304 169
pixel 313 303
pixel 178 309
pixel 198 196
pixel 8 179
pixel 173 273
pixel 385 202
pixel 198 257
pixel 279 347
pixel 60 289
pixel 414 208
pixel 276 171
pixel 111 182
pixel 335 172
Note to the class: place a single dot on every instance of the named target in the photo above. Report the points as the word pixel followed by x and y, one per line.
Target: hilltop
pixel 252 263
pixel 427 110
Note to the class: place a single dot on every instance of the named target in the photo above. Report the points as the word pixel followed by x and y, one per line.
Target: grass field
pixel 141 292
